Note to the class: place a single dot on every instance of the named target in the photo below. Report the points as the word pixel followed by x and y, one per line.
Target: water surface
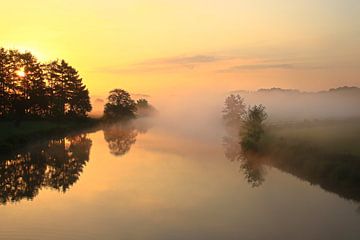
pixel 153 182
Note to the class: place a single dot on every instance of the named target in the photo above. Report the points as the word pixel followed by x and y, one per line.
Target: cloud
pixel 184 60
pixel 260 66
pixel 188 62
pixel 230 64
pixel 164 64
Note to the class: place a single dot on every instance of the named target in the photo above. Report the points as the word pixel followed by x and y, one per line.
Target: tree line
pixel 33 90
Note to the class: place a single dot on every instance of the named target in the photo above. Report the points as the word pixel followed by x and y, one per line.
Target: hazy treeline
pixel 294 105
pixel 33 90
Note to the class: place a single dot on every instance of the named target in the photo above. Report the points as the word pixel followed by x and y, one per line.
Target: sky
pixel 158 46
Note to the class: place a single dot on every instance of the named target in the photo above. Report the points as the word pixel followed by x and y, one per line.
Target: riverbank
pixel 13 137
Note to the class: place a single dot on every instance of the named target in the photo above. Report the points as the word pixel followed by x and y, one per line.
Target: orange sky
pixel 154 46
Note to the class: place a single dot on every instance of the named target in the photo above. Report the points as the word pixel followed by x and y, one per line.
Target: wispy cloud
pixel 213 62
pixel 163 64
pixel 184 60
pixel 259 66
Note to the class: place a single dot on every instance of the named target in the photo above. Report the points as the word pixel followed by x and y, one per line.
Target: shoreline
pixel 13 138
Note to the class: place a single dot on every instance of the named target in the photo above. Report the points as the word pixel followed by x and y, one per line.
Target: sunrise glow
pixel 21 72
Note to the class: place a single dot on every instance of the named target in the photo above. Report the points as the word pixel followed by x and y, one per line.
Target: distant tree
pixel 144 109
pixel 142 103
pixel 234 111
pixel 120 106
pixel 253 128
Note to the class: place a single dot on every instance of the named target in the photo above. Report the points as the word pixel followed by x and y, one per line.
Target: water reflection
pixel 121 136
pixel 56 164
pixel 320 160
pixel 251 166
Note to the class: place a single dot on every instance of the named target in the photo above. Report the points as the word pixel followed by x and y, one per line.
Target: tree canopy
pixel 253 128
pixel 234 111
pixel 33 90
pixel 120 106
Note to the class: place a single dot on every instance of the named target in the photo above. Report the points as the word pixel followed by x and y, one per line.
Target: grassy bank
pixel 324 153
pixel 13 137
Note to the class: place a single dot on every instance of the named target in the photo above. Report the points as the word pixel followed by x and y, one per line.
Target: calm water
pixel 150 182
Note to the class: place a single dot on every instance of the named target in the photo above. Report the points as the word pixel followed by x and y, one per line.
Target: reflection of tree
pixel 56 164
pixel 121 136
pixel 21 176
pixel 331 164
pixel 250 165
pixel 253 170
pixel 68 157
pixel 245 129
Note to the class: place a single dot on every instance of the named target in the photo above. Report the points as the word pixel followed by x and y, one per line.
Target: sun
pixel 21 72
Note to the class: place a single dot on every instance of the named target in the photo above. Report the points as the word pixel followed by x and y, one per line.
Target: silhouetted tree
pixel 68 95
pixel 120 106
pixel 29 89
pixel 4 93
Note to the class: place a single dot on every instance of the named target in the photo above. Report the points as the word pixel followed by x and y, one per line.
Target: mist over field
pixel 196 111
pixel 294 105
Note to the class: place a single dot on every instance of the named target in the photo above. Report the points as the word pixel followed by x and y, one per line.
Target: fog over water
pixel 171 177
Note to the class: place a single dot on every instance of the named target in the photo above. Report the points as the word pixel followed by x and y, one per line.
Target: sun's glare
pixel 21 72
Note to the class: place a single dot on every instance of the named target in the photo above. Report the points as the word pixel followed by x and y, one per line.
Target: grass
pixel 335 136
pixel 325 154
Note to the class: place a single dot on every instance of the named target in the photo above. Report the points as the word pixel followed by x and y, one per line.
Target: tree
pixel 234 111
pixel 253 128
pixel 120 106
pixel 68 95
pixel 144 109
pixel 29 89
pixel 4 95
pixel 142 103
pixel 33 86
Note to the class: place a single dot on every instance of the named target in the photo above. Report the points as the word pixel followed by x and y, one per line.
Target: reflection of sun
pixel 21 72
